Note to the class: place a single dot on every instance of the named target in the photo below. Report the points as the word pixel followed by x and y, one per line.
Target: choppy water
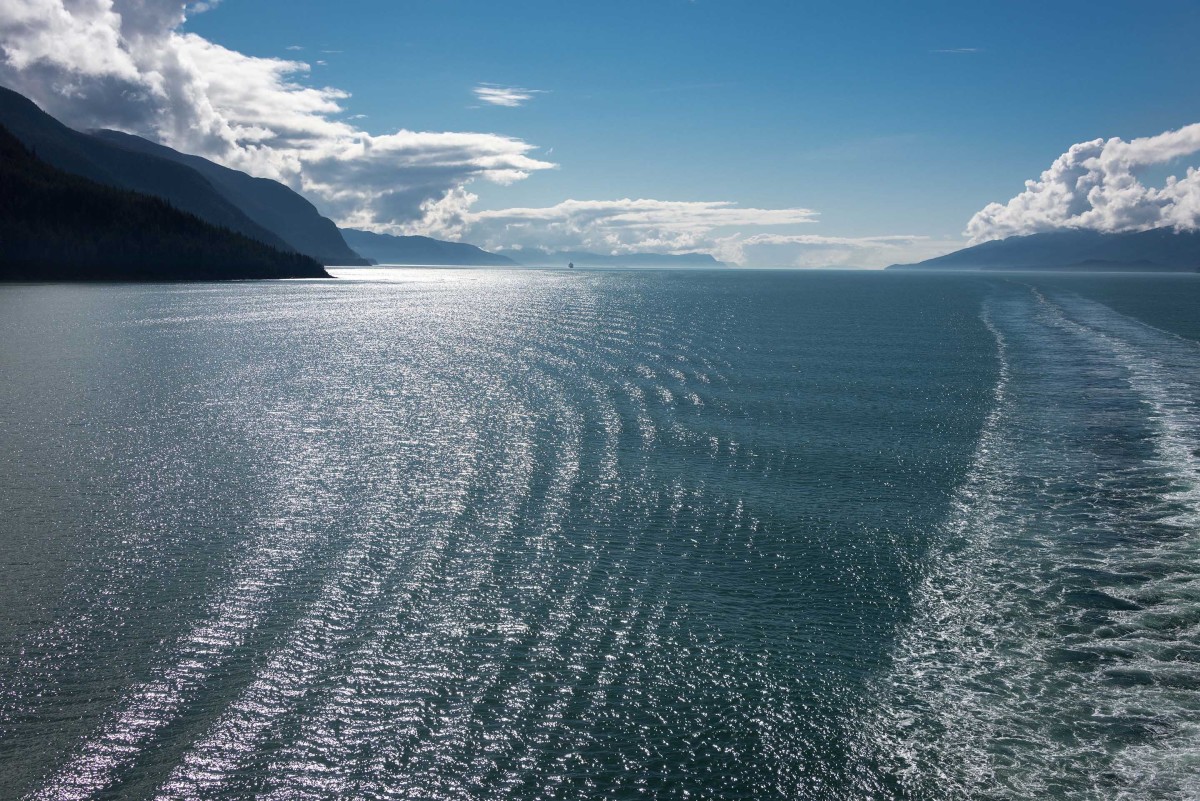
pixel 503 534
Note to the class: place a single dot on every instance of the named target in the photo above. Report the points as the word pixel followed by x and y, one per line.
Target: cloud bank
pixel 126 64
pixel 622 226
pixel 1096 185
pixel 616 227
pixel 129 65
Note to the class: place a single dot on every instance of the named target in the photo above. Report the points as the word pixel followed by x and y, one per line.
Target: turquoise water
pixel 459 534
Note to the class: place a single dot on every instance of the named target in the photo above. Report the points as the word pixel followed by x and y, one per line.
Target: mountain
pixel 561 258
pixel 105 163
pixel 421 250
pixel 57 226
pixel 1157 250
pixel 270 204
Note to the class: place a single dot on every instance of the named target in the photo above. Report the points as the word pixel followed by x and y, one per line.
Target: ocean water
pixel 486 534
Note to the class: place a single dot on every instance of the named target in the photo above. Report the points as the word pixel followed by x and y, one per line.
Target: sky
pixel 767 133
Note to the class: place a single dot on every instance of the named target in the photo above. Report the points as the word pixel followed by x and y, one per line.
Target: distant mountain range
pixel 1157 250
pixel 420 250
pixel 260 209
pixel 537 257
pixel 55 226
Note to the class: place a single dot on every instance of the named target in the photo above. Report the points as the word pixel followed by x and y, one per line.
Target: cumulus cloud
pixel 1096 185
pixel 127 64
pixel 509 96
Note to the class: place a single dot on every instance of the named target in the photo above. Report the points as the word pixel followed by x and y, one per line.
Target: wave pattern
pixel 1055 651
pixel 511 521
pixel 476 534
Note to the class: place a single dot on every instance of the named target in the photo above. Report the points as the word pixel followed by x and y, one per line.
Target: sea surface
pixel 488 534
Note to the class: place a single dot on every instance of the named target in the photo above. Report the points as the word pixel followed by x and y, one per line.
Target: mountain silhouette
pixel 1156 250
pixel 84 155
pixel 270 204
pixel 560 258
pixel 57 226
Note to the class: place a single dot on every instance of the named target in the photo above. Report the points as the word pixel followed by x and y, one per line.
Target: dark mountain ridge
pixel 84 155
pixel 55 226
pixel 1156 250
pixel 421 250
pixel 270 204
pixel 259 208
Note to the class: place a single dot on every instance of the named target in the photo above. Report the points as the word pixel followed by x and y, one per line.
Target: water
pixel 503 534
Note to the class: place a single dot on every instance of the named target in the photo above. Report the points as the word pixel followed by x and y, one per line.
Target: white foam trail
pixel 915 754
pixel 1003 687
pixel 1172 764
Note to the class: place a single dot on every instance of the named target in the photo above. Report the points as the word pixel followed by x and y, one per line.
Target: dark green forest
pixel 55 226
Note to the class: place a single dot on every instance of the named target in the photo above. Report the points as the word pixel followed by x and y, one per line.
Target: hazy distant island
pixel 539 257
pixel 423 250
pixel 1157 250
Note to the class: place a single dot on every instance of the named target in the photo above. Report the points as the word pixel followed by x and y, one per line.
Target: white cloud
pixel 610 226
pixel 126 64
pixel 625 226
pixel 509 96
pixel 1096 185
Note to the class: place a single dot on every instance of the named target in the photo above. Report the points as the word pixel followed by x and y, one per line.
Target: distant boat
pixel 570 265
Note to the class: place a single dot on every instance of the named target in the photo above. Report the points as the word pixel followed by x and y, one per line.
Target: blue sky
pixel 883 119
